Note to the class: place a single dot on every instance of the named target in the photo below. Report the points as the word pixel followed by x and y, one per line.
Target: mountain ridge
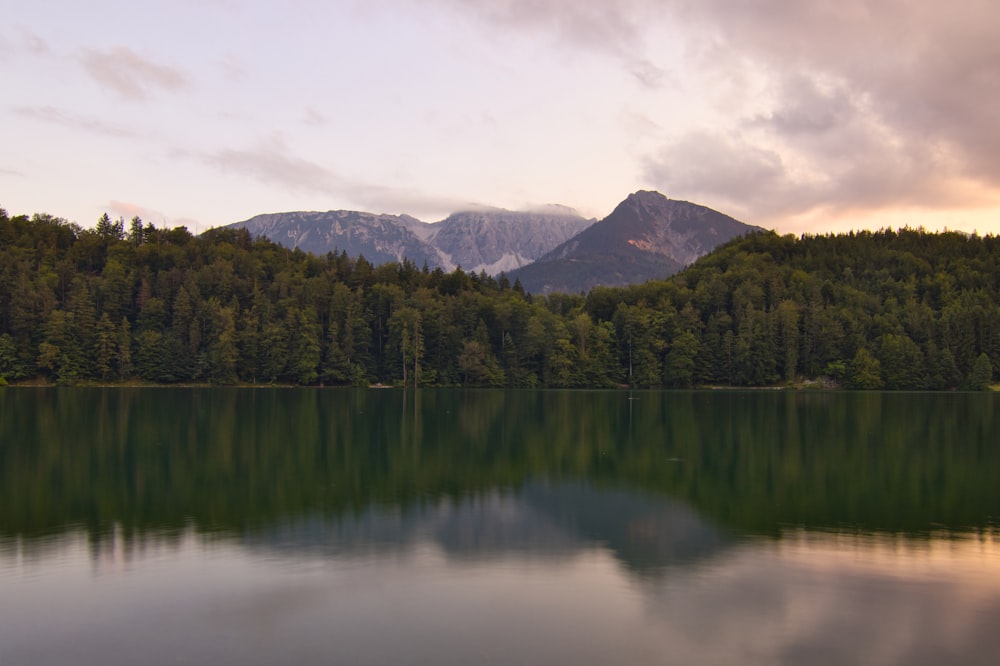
pixel 491 240
pixel 647 236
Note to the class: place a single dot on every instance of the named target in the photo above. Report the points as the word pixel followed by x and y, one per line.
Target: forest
pixel 131 303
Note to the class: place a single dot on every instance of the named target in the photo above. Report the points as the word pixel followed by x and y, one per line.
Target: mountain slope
pixel 647 236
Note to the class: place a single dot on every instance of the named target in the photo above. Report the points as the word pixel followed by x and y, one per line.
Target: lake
pixel 321 526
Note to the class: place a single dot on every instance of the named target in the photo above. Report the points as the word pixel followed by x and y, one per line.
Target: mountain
pixel 648 236
pixel 500 240
pixel 492 240
pixel 379 238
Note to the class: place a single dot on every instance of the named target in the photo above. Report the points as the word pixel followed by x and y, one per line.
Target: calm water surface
pixel 195 526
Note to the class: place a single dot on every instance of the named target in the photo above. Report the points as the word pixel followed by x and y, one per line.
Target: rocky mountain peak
pixel 646 236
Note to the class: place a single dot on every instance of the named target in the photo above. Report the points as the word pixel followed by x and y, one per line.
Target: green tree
pixel 406 331
pixel 982 373
pixel 222 350
pixel 306 351
pixel 788 331
pixel 11 366
pixel 125 349
pixel 902 363
pixel 151 363
pixel 335 368
pixel 106 349
pixel 679 367
pixel 61 353
pixel 865 372
pixel 637 328
pixel 108 230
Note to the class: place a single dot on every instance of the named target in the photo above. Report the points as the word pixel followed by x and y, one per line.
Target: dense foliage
pixel 895 310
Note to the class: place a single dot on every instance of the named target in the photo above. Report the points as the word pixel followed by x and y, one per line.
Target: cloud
pixel 398 200
pixel 819 164
pixel 130 75
pixel 270 162
pixel 903 91
pixel 26 42
pixel 721 169
pixel 803 162
pixel 806 106
pixel 128 210
pixel 615 28
pixel 816 104
pixel 54 116
pixel 867 106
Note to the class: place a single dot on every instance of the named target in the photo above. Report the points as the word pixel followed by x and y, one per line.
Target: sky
pixel 803 117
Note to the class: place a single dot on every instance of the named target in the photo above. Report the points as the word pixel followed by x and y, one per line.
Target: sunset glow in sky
pixel 797 116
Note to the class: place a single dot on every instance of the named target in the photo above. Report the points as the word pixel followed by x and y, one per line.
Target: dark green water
pixel 382 526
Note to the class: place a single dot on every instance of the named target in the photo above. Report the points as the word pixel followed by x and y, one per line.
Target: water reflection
pixel 193 526
pixel 822 598
pixel 752 462
pixel 542 521
pixel 399 595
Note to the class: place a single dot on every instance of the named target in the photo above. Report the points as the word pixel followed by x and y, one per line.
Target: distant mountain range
pixel 490 240
pixel 647 236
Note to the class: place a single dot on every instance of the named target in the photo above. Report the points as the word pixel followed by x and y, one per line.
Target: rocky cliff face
pixel 499 241
pixel 379 238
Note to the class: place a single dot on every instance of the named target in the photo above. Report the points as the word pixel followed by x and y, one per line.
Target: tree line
pixel 121 302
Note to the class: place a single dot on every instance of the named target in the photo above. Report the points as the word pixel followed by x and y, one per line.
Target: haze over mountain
pixel 647 236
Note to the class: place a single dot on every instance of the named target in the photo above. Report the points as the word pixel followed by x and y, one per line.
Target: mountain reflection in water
pixel 542 520
pixel 450 527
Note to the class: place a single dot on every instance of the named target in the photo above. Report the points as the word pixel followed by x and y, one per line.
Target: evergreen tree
pixel 106 348
pixel 11 366
pixel 125 349
pixel 679 367
pixel 982 373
